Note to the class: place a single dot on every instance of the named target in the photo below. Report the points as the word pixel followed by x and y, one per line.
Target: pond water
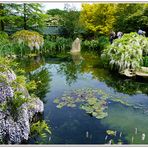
pixel 126 117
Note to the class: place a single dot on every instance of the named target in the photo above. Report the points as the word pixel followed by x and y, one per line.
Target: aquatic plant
pixel 40 129
pixel 30 38
pixel 111 132
pixel 127 52
pixel 93 101
pixel 95 107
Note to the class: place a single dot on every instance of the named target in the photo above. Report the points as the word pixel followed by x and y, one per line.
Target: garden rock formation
pixel 76 47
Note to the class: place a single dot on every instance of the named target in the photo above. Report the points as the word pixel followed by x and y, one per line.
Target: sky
pixel 60 5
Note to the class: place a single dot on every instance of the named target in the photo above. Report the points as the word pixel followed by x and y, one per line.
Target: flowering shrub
pixel 127 52
pixel 5 92
pixel 30 38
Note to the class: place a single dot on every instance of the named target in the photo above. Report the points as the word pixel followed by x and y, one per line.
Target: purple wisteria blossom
pixel 6 91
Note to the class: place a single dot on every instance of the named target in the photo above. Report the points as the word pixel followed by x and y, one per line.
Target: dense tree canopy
pixel 98 18
pixel 8 14
pixel 129 17
pixel 95 19
pixel 103 18
pixel 21 15
pixel 68 18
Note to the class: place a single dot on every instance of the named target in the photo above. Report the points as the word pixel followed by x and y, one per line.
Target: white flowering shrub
pixel 127 52
pixel 30 38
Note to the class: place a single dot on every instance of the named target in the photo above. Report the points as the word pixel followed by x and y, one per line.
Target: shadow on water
pixel 57 73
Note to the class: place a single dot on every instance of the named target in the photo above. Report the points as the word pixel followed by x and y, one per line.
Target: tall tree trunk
pixel 25 17
pixel 2 26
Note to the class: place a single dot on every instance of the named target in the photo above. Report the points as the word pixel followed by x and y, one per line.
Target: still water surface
pixel 71 125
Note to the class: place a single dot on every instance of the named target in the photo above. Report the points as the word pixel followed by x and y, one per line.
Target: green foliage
pixel 49 46
pixel 9 48
pixel 129 17
pixel 8 13
pixel 127 52
pixel 21 15
pixel 6 46
pixel 103 42
pixel 6 63
pixel 55 16
pixel 30 38
pixel 31 85
pixel 63 43
pixel 57 44
pixel 90 45
pixel 41 79
pixel 98 18
pixel 40 129
pixel 3 35
pixel 96 44
pixel 102 18
pixel 67 18
pixel 17 101
pixel 23 42
pixel 145 61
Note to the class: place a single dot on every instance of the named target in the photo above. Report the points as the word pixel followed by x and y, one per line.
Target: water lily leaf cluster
pixel 127 52
pixel 93 101
pixel 30 38
pixel 95 107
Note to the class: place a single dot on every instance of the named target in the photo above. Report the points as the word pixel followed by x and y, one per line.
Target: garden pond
pixel 87 104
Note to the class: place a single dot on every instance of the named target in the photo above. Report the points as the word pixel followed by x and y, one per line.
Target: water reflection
pixel 71 69
pixel 65 72
pixel 42 77
pixel 130 121
pixel 94 66
pixel 77 57
pixel 31 63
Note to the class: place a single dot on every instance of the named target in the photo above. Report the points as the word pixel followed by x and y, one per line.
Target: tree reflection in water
pixel 71 69
pixel 42 77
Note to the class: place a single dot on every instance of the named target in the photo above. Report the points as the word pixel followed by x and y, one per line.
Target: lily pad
pixel 93 101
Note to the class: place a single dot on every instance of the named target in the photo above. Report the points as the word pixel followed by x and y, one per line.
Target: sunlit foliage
pixel 31 38
pixel 127 52
pixel 98 18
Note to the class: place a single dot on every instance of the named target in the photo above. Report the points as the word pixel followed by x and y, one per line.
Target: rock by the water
pixel 142 72
pixel 128 72
pixel 76 47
